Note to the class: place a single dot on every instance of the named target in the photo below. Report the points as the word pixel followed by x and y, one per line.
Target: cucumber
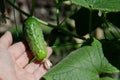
pixel 34 37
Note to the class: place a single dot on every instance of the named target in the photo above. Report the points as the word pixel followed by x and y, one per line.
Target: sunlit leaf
pixel 86 63
pixel 104 5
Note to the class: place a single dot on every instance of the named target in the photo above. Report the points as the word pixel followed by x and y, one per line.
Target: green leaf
pixel 86 63
pixel 104 5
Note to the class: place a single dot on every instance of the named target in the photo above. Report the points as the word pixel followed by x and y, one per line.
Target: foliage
pixel 103 5
pixel 89 58
pixel 85 63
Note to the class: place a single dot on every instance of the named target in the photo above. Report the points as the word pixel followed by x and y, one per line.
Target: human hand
pixel 14 61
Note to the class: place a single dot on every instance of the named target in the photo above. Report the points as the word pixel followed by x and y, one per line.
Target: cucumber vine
pixel 46 23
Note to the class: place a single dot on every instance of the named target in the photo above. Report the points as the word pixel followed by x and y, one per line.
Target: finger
pixel 31 67
pixel 17 49
pixel 23 60
pixel 35 65
pixel 6 40
pixel 40 72
pixel 22 74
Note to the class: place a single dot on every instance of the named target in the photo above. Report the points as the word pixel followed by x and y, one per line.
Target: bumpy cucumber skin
pixel 34 36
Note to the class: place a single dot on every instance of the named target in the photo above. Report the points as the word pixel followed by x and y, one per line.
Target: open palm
pixel 15 60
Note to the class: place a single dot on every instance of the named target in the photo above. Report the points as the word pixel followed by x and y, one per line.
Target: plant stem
pixel 57 12
pixel 68 44
pixel 104 18
pixel 33 7
pixel 61 29
pixel 65 18
pixel 90 23
pixel 17 34
pixel 47 24
pixel 9 2
pixel 69 33
pixel 105 21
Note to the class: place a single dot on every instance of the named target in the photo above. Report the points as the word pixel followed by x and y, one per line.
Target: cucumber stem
pixel 61 29
pixel 57 12
pixel 106 23
pixel 90 23
pixel 17 34
pixel 33 7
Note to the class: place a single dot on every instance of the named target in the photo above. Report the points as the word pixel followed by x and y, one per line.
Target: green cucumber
pixel 34 37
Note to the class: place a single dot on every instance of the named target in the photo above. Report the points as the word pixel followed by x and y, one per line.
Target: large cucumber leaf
pixel 85 63
pixel 104 5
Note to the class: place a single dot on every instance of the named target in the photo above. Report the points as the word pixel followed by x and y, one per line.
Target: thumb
pixel 6 40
